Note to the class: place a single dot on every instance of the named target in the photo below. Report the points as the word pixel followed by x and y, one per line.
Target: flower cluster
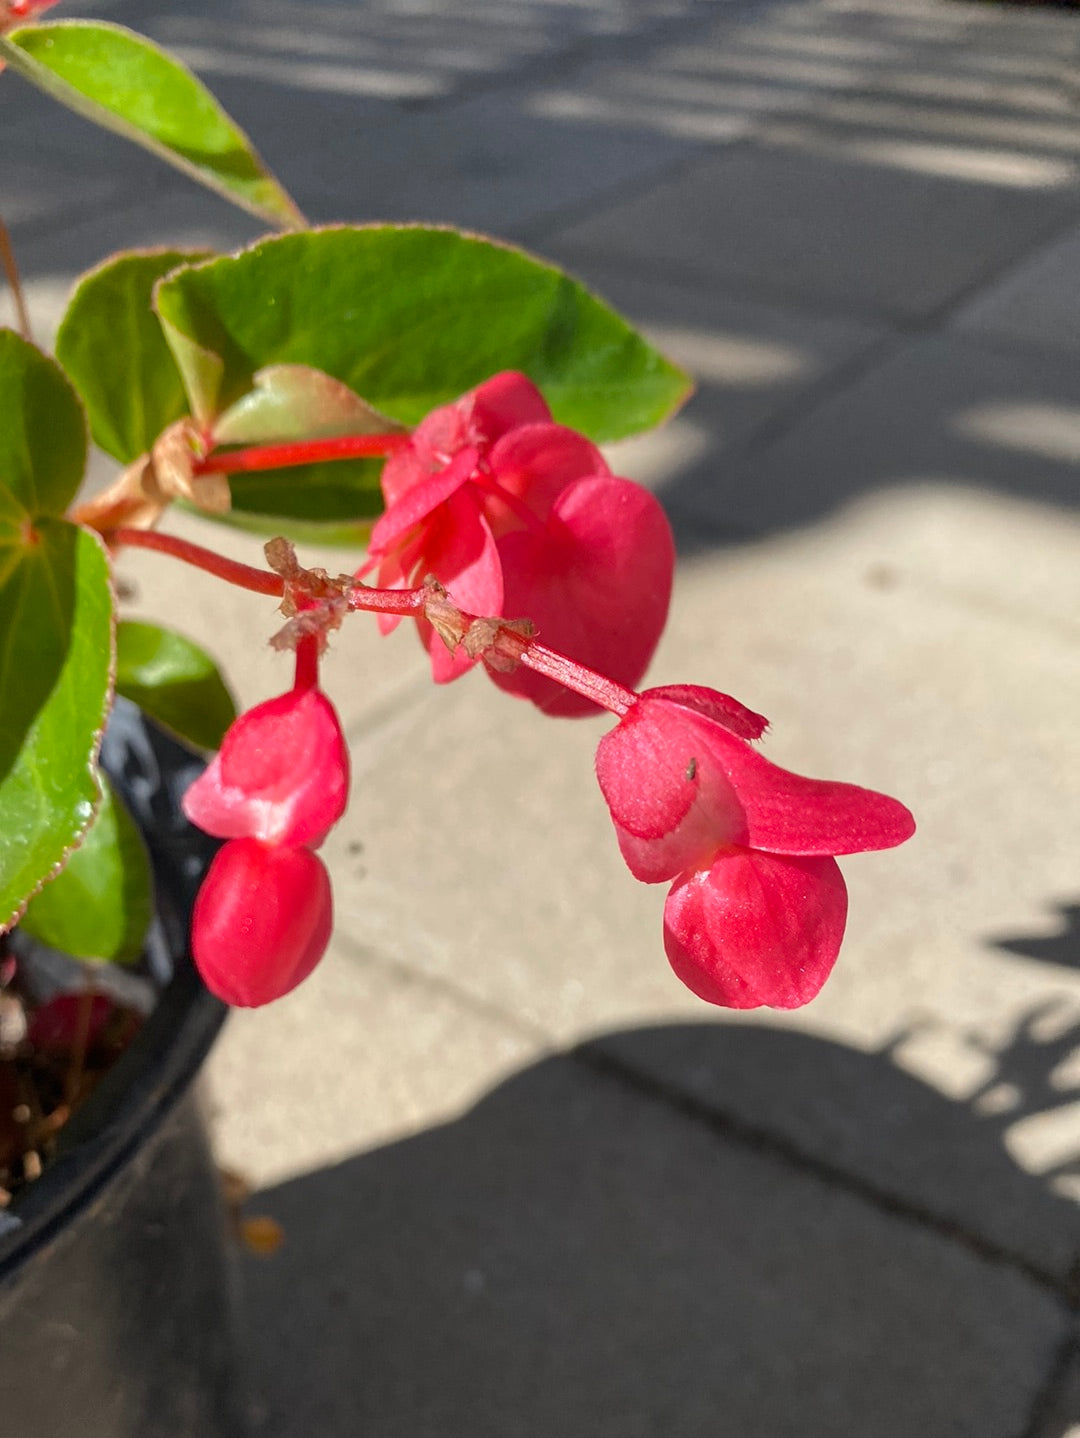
pixel 274 790
pixel 492 504
pixel 515 514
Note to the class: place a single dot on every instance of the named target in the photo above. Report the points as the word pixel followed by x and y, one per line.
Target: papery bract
pixel 757 910
pixel 262 921
pixel 281 775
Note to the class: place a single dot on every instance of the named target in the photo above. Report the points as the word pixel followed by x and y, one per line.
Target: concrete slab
pixel 658 94
pixel 752 365
pixel 489 859
pixel 939 410
pixel 33 199
pixel 569 1257
pixel 497 163
pixel 277 1116
pixel 1035 304
pixel 828 227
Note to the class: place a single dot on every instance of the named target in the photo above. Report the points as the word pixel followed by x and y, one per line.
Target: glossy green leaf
pixel 409 317
pixel 100 904
pixel 175 681
pixel 42 429
pixel 125 83
pixel 56 646
pixel 111 345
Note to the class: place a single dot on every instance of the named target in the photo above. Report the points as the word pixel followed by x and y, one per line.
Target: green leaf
pixel 175 681
pixel 55 661
pixel 294 401
pixel 100 904
pixel 410 317
pixel 335 491
pixel 42 429
pixel 111 345
pixel 125 83
pixel 347 534
pixel 334 501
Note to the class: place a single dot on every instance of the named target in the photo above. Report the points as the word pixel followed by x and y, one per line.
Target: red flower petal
pixel 417 504
pixel 714 705
pixel 672 808
pixel 462 555
pixel 478 419
pixel 788 814
pixel 282 774
pixel 505 401
pixel 536 462
pixel 597 586
pixel 756 928
pixel 262 921
pixel 679 784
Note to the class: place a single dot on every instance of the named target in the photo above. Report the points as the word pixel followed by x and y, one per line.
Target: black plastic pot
pixel 117 1312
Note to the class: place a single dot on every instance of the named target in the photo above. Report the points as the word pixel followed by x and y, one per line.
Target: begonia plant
pixel 436 399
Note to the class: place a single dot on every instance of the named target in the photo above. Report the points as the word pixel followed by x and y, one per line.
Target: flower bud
pixel 262 921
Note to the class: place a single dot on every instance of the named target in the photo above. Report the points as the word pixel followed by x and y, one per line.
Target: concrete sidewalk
pixel 529 1185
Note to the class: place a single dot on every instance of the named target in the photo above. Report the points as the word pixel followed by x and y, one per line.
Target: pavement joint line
pixel 575 211
pixel 834 382
pixel 447 989
pixel 777 295
pixel 761 1140
pixel 1058 229
pixel 1004 346
pixel 590 1056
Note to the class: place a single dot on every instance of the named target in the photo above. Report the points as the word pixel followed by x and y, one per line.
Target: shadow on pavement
pixel 1062 948
pixel 597 1250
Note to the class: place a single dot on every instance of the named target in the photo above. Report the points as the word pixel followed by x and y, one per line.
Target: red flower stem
pixel 11 274
pixel 260 581
pixel 388 601
pixel 571 675
pixel 307 663
pixel 567 672
pixel 302 451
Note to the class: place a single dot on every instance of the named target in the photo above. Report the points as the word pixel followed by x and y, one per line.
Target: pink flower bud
pixel 262 921
pixel 281 775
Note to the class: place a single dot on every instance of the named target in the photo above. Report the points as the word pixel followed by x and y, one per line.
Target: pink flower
pixel 757 909
pixel 264 913
pixel 519 516
pixel 281 774
pixel 262 921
